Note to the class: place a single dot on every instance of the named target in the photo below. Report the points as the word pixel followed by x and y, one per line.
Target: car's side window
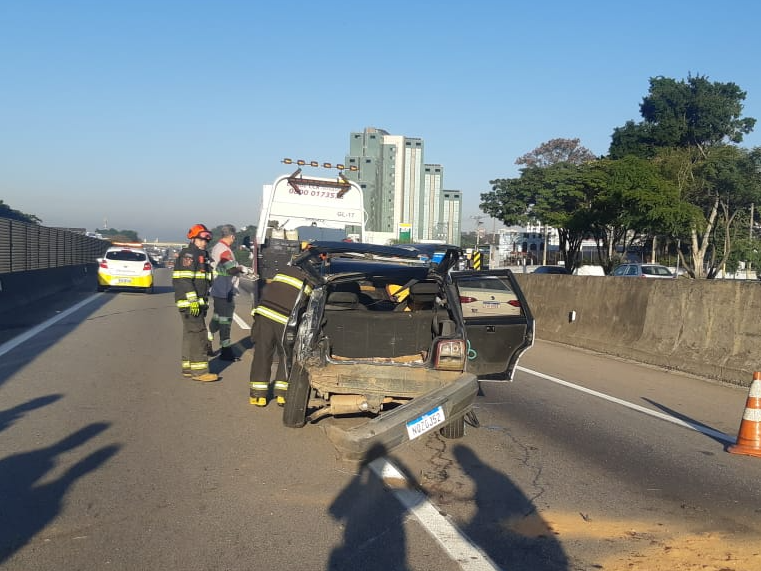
pixel 631 271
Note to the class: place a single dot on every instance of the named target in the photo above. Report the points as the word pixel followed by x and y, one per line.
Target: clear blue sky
pixel 158 114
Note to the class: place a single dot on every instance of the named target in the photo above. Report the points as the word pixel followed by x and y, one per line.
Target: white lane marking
pixel 239 320
pixel 455 543
pixel 16 341
pixel 678 421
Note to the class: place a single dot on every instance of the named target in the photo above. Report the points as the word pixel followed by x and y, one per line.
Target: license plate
pixel 422 424
pixel 124 281
pixel 491 305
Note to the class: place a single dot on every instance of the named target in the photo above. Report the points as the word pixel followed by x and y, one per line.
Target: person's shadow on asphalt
pixel 25 507
pixel 9 416
pixel 506 525
pixel 373 522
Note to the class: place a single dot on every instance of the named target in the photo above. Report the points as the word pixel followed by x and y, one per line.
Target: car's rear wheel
pixel 296 398
pixel 455 429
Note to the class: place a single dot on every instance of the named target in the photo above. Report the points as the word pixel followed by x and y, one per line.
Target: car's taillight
pixel 147 267
pixel 450 355
pixel 104 264
pixel 466 299
pixel 514 303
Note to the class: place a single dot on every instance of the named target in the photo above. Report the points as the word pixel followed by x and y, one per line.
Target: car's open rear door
pixel 498 321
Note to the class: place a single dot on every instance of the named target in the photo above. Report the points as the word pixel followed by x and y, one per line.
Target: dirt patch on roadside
pixel 644 546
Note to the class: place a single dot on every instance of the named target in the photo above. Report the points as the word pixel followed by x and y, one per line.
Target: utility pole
pixel 750 238
pixel 478 228
pixel 544 250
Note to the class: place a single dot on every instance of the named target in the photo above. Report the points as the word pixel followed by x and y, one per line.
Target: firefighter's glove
pixel 195 308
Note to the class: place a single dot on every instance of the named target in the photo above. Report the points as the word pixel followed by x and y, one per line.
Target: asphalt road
pixel 109 459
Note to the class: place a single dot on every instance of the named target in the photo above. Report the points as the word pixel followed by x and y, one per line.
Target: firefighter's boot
pixel 257 393
pixel 206 377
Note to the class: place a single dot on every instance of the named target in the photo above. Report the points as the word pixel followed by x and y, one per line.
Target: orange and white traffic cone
pixel 749 437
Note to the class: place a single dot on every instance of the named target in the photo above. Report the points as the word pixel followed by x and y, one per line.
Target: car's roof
pixel 122 248
pixel 377 269
pixel 405 251
pixel 414 260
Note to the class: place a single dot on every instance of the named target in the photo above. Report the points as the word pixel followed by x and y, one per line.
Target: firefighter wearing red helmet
pixel 191 280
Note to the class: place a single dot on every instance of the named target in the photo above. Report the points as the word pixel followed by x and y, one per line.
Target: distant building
pixel 518 243
pixel 400 190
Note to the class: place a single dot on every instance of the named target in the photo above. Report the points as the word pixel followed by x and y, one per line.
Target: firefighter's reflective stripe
pixel 188 275
pixel 290 280
pixel 222 269
pixel 199 366
pixel 275 316
pixel 226 343
pixel 281 386
pixel 256 386
pixel 295 282
pixel 185 303
pixel 191 296
pixel 186 364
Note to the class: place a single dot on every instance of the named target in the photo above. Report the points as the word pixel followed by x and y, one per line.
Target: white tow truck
pixel 297 208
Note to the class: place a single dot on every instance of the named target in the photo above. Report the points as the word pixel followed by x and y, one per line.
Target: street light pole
pixel 544 250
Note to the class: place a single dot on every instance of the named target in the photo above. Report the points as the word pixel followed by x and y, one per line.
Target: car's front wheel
pixel 296 398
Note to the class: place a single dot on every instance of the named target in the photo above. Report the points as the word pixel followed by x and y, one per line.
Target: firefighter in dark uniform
pixel 191 280
pixel 270 317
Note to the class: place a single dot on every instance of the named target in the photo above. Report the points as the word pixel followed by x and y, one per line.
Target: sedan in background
pixel 125 267
pixel 483 295
pixel 643 271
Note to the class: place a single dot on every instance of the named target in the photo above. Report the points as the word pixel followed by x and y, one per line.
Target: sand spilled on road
pixel 643 546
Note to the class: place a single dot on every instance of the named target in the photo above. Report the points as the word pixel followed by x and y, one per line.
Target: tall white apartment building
pixel 400 189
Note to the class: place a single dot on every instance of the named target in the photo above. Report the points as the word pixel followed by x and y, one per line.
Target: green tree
pixel 7 212
pixel 114 235
pixel 558 195
pixel 732 185
pixel 557 151
pixel 633 202
pixel 688 128
pixel 552 188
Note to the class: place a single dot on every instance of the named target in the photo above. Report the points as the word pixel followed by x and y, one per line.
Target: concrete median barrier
pixel 21 288
pixel 710 328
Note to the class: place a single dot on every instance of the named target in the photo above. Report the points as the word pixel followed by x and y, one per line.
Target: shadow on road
pixel 506 525
pixel 21 322
pixel 373 521
pixel 26 507
pixel 711 433
pixel 8 417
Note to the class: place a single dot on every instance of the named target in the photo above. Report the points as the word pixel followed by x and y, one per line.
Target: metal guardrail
pixel 25 246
